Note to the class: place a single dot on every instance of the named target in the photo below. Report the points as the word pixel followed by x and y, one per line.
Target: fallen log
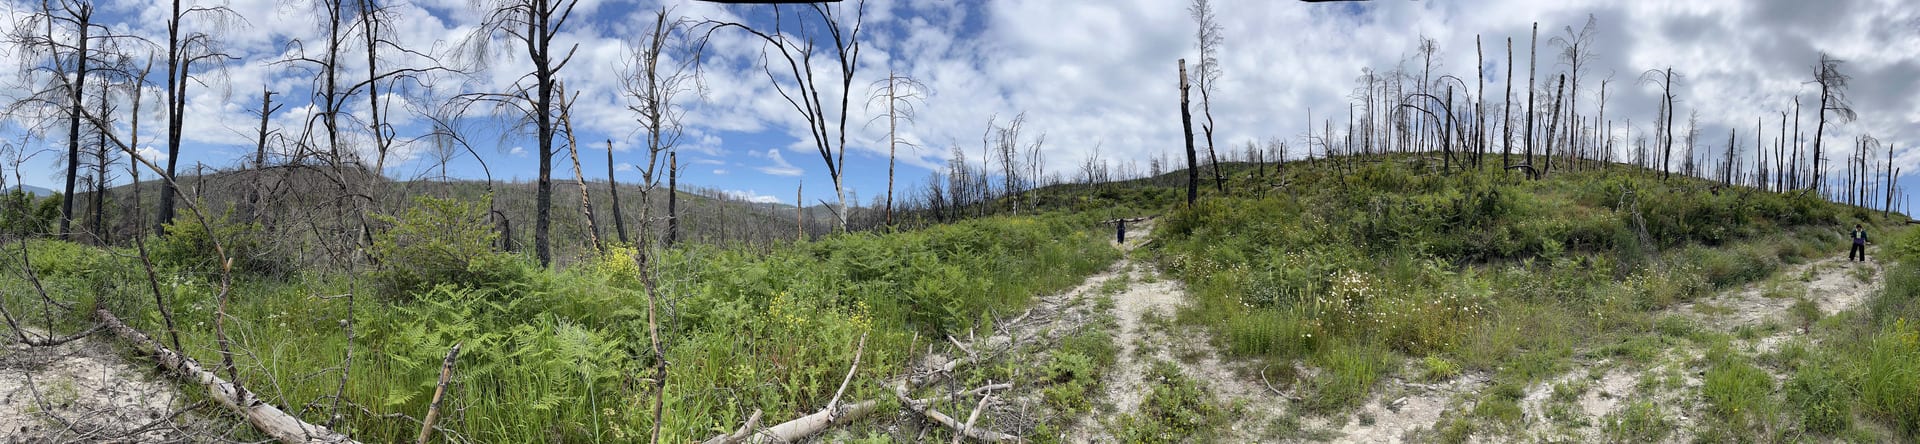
pixel 925 408
pixel 801 428
pixel 265 417
pixel 738 435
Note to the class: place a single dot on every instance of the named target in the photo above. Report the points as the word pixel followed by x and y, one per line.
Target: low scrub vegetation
pixel 561 355
pixel 1478 271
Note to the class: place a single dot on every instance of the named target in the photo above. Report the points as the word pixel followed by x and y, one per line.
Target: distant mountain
pixel 32 190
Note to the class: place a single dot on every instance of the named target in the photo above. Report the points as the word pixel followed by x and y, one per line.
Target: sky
pixel 1091 76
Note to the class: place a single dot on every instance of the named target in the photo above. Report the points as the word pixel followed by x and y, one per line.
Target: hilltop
pixel 1358 298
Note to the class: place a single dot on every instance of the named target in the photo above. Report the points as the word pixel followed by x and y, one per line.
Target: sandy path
pixel 1834 284
pixel 82 392
pixel 1831 283
pixel 1146 333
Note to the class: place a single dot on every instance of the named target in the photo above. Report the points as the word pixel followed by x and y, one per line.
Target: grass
pixel 1640 421
pixel 560 355
pixel 1177 408
pixel 1438 369
pixel 1070 380
pixel 1349 271
pixel 1737 393
pixel 1501 404
pixel 1480 271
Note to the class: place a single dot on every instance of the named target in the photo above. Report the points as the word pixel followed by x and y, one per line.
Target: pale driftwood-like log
pixel 269 419
pixel 972 418
pixel 746 429
pixel 815 423
pixel 862 349
pixel 925 408
pixel 800 428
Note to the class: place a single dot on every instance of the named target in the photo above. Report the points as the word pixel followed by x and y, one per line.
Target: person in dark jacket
pixel 1859 244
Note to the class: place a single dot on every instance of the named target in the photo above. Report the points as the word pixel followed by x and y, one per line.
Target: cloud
pixel 751 196
pixel 151 154
pixel 624 167
pixel 779 166
pixel 1087 74
pixel 720 172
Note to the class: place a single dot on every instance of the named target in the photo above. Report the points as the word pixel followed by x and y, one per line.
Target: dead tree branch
pixel 269 419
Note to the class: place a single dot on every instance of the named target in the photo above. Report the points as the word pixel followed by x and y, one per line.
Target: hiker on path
pixel 1859 244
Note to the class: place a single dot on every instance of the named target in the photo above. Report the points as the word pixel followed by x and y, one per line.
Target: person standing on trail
pixel 1859 244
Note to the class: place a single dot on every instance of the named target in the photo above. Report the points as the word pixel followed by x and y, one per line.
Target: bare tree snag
pixel 1553 124
pixel 1480 102
pixel 827 129
pixel 1665 79
pixel 613 192
pixel 534 24
pixel 1833 97
pixel 799 212
pixel 1893 175
pixel 266 417
pixel 673 198
pixel 1533 57
pixel 1506 110
pixel 900 94
pixel 82 18
pixel 181 55
pixel 1207 73
pixel 267 108
pixel 1186 121
pixel 579 177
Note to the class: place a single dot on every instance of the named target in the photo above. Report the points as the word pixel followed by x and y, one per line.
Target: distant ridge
pixel 31 190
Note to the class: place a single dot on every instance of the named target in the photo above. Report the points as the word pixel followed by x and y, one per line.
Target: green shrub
pixel 1726 268
pixel 22 216
pixel 1348 373
pixel 1640 422
pixel 1177 409
pixel 1070 374
pixel 1736 390
pixel 56 259
pixel 1502 404
pixel 186 246
pixel 1821 395
pixel 1890 386
pixel 440 241
pixel 1439 369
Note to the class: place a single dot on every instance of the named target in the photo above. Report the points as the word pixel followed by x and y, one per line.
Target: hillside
pixel 1366 298
pixel 706 216
pixel 30 190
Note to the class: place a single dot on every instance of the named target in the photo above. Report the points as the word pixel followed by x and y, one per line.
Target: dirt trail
pixel 1572 407
pixel 82 392
pixel 1146 333
pixel 1834 283
pixel 1604 388
pixel 1399 409
pixel 1407 411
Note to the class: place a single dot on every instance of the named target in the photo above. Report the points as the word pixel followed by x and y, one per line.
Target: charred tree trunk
pixel 673 197
pixel 1506 110
pixel 1533 54
pixel 1553 123
pixel 83 19
pixel 613 191
pixel 1186 121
